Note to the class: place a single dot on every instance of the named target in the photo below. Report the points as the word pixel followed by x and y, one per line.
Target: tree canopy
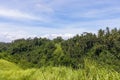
pixel 104 47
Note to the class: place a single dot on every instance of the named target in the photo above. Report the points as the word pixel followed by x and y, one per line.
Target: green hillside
pixel 9 71
pixel 87 56
pixel 6 65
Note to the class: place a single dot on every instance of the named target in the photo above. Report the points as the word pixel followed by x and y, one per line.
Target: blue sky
pixel 51 18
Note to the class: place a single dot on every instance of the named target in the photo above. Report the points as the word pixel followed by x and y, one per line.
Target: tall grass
pixel 91 71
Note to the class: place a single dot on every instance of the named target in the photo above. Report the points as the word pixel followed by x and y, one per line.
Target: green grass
pixel 6 65
pixel 10 71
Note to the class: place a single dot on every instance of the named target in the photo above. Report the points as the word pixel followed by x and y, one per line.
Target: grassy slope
pixel 10 71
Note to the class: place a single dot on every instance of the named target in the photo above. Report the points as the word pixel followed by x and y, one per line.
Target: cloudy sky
pixel 51 18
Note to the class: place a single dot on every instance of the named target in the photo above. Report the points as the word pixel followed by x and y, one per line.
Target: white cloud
pixel 10 36
pixel 52 36
pixel 9 32
pixel 16 14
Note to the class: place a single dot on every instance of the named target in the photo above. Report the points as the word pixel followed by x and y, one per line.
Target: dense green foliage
pixel 103 47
